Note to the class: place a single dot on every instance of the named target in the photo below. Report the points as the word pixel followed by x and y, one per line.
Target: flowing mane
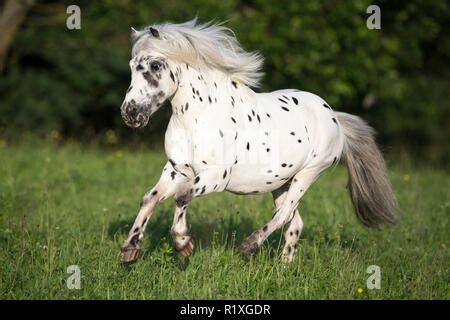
pixel 204 45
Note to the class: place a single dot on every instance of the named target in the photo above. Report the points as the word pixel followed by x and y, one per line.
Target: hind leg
pixel 291 237
pixel 284 213
pixel 293 229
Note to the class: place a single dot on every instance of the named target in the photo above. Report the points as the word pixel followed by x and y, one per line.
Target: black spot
pixel 268 182
pixel 295 100
pixel 282 100
pixel 154 192
pixel 172 163
pixel 197 179
pixel 283 165
pixel 285 109
pixel 136 229
pixel 334 120
pixel 232 119
pixel 129 88
pixel 234 84
pixel 173 174
pixel 209 99
pixel 334 161
pixel 204 162
pixel 326 106
pixel 257 117
pixel 180 216
pixel 172 76
pixel 139 67
pixel 299 141
pixel 221 133
pixel 249 118
pixel 265 228
pixel 290 166
pixel 203 190
pixel 248 145
pixel 225 174
pixel 293 133
pixel 268 115
pixel 187 106
pixel 268 149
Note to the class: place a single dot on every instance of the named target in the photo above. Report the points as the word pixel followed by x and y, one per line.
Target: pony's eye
pixel 155 66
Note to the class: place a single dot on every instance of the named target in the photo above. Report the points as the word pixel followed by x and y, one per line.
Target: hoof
pixel 250 245
pixel 129 253
pixel 187 249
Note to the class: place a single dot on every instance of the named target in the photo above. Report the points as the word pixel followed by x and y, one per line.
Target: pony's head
pixel 159 50
pixel 152 80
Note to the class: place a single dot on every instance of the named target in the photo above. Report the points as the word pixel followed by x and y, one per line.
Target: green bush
pixel 73 82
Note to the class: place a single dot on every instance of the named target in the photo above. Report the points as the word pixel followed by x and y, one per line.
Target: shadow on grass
pixel 228 231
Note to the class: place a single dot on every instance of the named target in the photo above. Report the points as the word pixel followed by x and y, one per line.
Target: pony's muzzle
pixel 134 115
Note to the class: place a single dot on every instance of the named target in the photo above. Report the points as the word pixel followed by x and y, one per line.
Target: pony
pixel 223 136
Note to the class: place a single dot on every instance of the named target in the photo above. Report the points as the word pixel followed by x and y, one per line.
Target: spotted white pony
pixel 222 135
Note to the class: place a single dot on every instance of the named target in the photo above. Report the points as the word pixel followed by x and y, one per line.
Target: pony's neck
pixel 200 88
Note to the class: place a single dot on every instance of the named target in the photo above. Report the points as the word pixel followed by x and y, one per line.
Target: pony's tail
pixel 369 185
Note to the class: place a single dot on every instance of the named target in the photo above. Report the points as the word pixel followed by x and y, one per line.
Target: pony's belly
pixel 247 180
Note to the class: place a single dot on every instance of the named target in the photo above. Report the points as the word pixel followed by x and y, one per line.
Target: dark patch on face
pixel 249 118
pixel 282 100
pixel 259 119
pixel 234 84
pixel 154 192
pixel 209 99
pixel 292 133
pixel 197 179
pixel 139 67
pixel 285 109
pixel 335 121
pixel 295 100
pixel 150 79
pixel 299 141
pixel 283 165
pixel 268 149
pixel 248 145
pixel 232 119
pixel 268 115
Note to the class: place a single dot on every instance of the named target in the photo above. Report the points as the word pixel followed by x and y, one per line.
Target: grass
pixel 62 206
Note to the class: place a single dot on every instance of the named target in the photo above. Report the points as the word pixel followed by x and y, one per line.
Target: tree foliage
pixel 73 81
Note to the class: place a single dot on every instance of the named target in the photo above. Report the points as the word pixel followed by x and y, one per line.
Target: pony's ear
pixel 154 32
pixel 134 34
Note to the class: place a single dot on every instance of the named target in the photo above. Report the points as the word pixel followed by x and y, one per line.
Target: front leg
pixel 212 179
pixel 168 184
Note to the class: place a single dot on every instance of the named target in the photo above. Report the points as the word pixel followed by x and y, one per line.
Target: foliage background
pixel 69 84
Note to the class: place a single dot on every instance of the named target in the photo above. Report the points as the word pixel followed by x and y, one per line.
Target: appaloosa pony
pixel 222 135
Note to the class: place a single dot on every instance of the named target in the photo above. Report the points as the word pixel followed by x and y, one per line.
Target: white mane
pixel 208 45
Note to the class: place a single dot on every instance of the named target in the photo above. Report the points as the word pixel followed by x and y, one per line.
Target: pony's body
pixel 261 139
pixel 224 136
